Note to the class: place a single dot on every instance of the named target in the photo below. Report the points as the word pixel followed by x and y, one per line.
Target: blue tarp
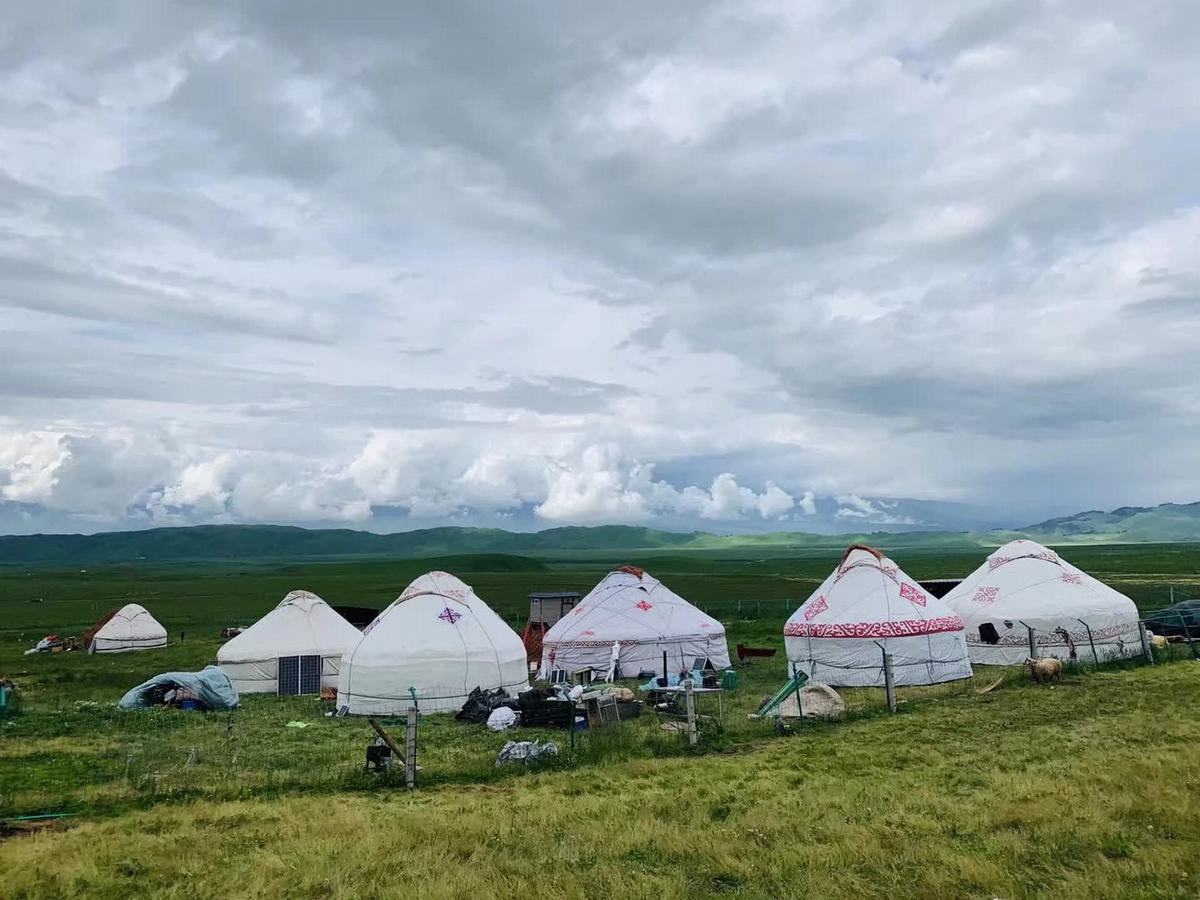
pixel 211 687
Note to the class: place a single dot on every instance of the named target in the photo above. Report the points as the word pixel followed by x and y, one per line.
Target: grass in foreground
pixel 1086 789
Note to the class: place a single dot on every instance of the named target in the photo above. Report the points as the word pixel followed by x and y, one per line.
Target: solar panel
pixel 310 674
pixel 299 675
pixel 288 677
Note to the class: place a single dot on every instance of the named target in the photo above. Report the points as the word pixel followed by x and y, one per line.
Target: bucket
pixel 729 680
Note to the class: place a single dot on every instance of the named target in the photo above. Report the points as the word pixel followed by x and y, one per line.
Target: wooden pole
pixel 1032 643
pixel 1146 651
pixel 410 749
pixel 690 702
pixel 387 738
pixel 889 681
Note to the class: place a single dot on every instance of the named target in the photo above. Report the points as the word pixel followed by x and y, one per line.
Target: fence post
pixel 1146 651
pixel 1095 655
pixel 410 749
pixel 1187 633
pixel 799 708
pixel 690 703
pixel 1032 643
pixel 889 681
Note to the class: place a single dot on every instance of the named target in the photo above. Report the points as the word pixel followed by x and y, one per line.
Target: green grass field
pixel 1089 787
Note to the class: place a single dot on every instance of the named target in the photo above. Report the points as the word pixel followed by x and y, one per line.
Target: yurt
pixel 435 644
pixel 129 628
pixel 644 618
pixel 866 606
pixel 1025 585
pixel 296 648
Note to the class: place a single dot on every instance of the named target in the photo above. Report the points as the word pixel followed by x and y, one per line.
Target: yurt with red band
pixel 644 618
pixel 867 606
pixel 1024 585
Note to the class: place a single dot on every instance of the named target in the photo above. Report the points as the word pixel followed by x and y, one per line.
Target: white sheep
pixel 1046 669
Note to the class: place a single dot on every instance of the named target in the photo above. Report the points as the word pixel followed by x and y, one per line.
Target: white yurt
pixel 296 648
pixel 1023 585
pixel 435 644
pixel 866 606
pixel 644 618
pixel 129 628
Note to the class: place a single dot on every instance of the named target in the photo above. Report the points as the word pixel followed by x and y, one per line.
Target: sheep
pixel 1046 669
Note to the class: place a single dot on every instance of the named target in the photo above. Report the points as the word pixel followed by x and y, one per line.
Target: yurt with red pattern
pixel 866 607
pixel 644 618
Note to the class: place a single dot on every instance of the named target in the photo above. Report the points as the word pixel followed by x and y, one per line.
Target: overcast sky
pixel 733 266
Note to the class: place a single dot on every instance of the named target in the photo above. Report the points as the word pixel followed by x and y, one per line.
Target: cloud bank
pixel 703 264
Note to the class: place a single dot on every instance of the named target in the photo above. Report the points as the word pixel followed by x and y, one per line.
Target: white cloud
pixel 702 264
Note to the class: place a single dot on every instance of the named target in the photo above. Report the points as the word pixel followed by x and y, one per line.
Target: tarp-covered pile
pixel 209 688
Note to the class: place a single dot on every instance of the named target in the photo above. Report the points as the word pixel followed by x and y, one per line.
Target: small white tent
pixel 1025 585
pixel 436 643
pixel 645 618
pixel 866 606
pixel 130 628
pixel 296 648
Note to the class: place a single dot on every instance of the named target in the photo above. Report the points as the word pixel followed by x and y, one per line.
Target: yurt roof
pixel 630 604
pixel 1025 578
pixel 869 596
pixel 300 624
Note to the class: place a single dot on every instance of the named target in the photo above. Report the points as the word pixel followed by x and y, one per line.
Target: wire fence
pixel 89 756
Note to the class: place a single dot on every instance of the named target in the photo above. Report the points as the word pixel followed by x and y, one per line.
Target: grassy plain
pixel 1088 788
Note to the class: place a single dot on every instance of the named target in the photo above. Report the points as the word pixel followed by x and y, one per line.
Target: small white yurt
pixel 1024 585
pixel 129 628
pixel 644 618
pixel 296 648
pixel 866 606
pixel 435 644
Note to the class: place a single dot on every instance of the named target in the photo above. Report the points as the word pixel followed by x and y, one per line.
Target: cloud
pixel 873 512
pixel 707 262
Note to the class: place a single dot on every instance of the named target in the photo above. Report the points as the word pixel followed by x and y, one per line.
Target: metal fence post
pixel 690 703
pixel 1146 651
pixel 410 749
pixel 1187 633
pixel 799 708
pixel 1095 655
pixel 889 681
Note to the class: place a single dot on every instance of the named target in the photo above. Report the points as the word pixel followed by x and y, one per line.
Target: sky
pixel 722 266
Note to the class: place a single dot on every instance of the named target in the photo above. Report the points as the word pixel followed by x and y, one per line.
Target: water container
pixel 729 680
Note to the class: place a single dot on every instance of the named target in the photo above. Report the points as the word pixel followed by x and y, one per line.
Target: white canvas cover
pixel 646 619
pixel 130 628
pixel 868 605
pixel 437 641
pixel 301 625
pixel 1025 584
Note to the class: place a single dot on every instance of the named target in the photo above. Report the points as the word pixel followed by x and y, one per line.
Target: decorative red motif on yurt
pixel 644 606
pixel 986 594
pixel 816 609
pixel 905 628
pixel 912 594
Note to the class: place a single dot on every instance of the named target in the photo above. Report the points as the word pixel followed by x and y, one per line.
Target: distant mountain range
pixel 1169 522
